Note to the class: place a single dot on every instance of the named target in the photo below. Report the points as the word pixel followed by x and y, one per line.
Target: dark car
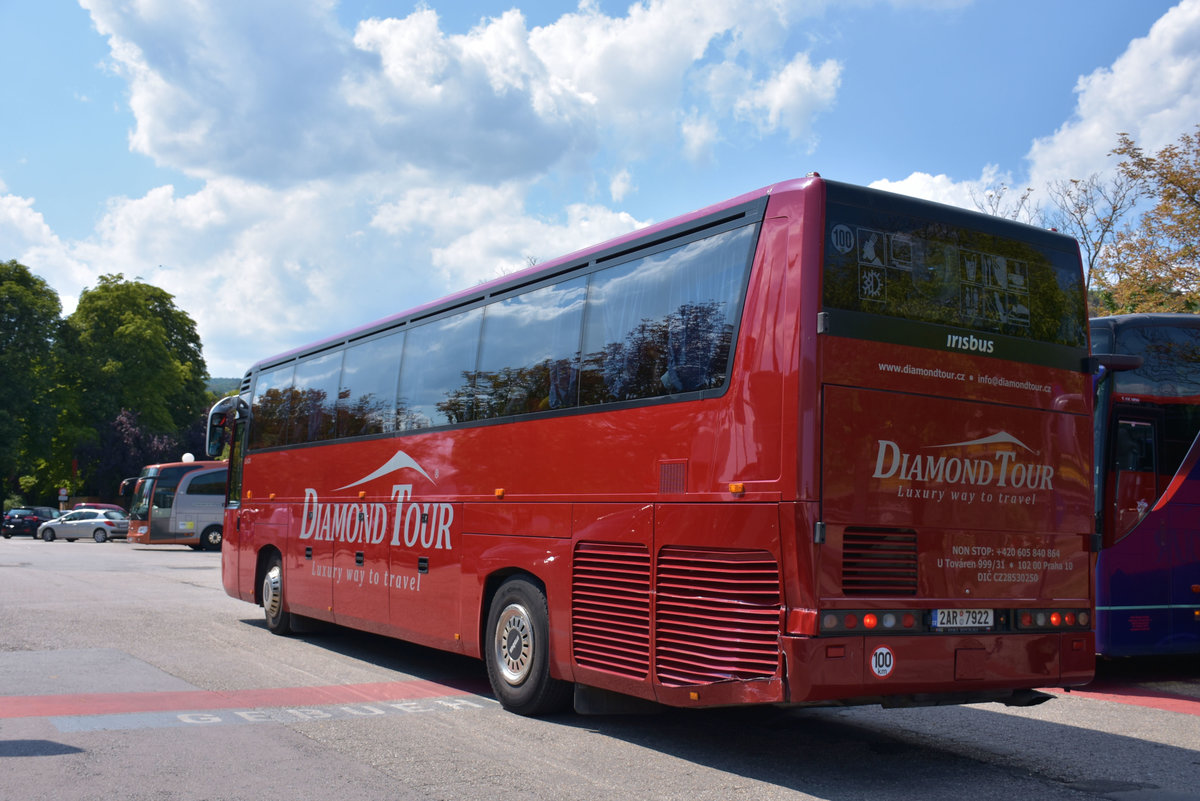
pixel 26 519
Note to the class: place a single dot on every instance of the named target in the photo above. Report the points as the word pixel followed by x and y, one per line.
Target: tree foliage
pixel 128 337
pixel 1154 265
pixel 29 318
pixel 127 349
pixel 88 400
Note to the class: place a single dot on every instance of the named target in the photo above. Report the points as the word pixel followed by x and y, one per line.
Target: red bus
pixel 179 503
pixel 1148 486
pixel 816 444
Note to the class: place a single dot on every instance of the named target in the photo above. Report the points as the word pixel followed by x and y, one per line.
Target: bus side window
pixel 437 372
pixel 367 394
pixel 271 407
pixel 1135 474
pixel 1135 446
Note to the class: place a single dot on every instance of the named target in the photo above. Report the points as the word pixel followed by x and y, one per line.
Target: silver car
pixel 99 524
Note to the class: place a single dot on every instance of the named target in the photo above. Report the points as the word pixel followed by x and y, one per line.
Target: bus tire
pixel 48 535
pixel 517 651
pixel 210 540
pixel 99 535
pixel 279 620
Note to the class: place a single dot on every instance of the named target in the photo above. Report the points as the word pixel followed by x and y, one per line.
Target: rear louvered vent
pixel 879 562
pixel 716 616
pixel 672 478
pixel 610 601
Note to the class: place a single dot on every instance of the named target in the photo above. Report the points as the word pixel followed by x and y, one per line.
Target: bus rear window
pixel 903 259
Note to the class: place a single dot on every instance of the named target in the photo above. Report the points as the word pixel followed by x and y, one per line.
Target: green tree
pixel 29 320
pixel 126 348
pixel 1155 264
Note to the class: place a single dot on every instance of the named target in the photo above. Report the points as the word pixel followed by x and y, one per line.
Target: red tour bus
pixel 179 503
pixel 817 444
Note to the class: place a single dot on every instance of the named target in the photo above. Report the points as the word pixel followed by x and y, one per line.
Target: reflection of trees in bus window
pixel 664 323
pixel 315 390
pixel 1171 361
pixel 270 408
pixel 367 395
pixel 659 325
pixel 529 356
pixel 961 277
pixel 437 357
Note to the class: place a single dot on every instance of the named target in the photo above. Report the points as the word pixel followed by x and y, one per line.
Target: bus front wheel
pixel 279 620
pixel 517 651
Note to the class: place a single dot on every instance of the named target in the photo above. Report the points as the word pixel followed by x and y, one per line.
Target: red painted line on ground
pixel 34 706
pixel 1168 702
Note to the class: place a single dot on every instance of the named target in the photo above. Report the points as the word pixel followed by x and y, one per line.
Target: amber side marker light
pixel 737 488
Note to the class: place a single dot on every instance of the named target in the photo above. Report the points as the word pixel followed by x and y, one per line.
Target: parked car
pixel 26 519
pixel 99 524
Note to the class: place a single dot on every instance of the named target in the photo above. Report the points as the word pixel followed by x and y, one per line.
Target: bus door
pixel 162 504
pixel 1136 566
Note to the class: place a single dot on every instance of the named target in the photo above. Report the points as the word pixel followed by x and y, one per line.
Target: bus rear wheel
pixel 210 540
pixel 279 620
pixel 100 535
pixel 517 651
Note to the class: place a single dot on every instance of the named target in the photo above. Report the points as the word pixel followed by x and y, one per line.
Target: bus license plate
pixel 962 618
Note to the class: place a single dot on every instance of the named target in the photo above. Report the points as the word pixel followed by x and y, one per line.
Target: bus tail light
pixel 845 621
pixel 1053 619
pixel 917 621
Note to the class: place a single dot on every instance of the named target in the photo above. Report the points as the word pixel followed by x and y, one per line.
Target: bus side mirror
pixel 1111 362
pixel 220 418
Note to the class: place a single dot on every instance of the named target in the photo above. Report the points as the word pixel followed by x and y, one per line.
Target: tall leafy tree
pixel 1155 265
pixel 29 320
pixel 127 348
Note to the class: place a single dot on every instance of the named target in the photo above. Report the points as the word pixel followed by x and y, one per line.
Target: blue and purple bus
pixel 1148 486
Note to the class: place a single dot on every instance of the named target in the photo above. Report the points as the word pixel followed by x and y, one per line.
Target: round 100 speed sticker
pixel 882 662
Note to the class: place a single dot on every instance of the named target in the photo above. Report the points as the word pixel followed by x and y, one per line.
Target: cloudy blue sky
pixel 289 169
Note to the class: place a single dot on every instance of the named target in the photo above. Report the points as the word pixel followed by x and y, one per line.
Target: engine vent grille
pixel 716 616
pixel 672 478
pixel 610 601
pixel 879 562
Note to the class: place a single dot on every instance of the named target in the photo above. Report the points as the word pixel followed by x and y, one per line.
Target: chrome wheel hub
pixel 514 644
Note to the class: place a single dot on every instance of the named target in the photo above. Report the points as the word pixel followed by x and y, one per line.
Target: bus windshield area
pixel 155 490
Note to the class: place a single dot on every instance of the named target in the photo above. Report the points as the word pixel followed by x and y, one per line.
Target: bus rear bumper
pixel 918 671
